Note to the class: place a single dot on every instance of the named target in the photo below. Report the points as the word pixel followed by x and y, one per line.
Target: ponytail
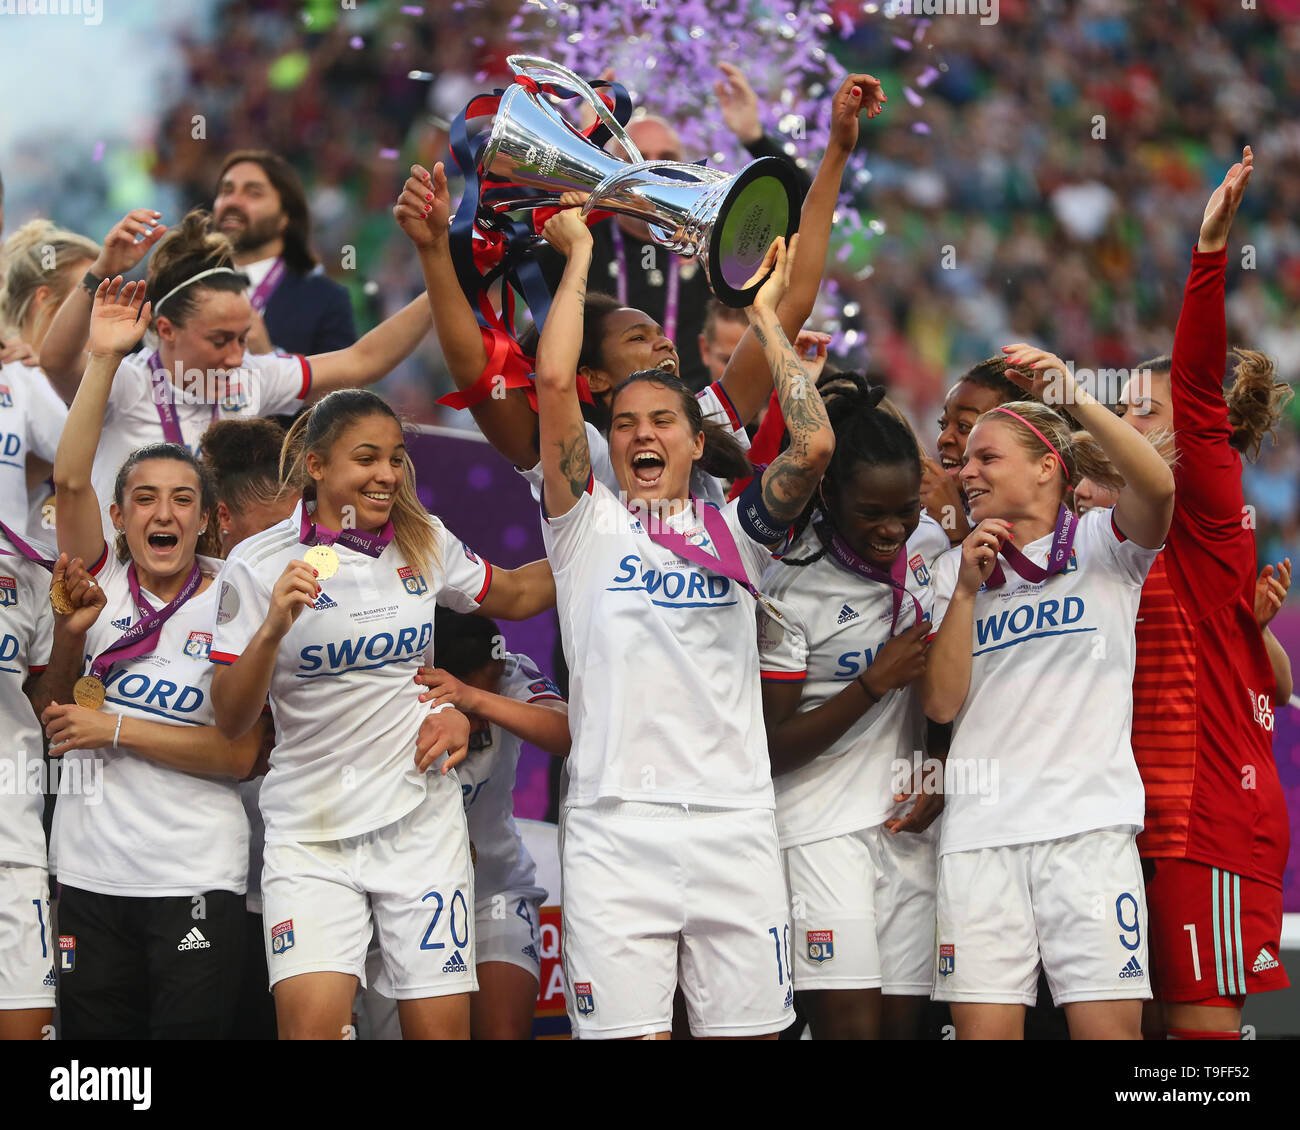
pixel 1255 401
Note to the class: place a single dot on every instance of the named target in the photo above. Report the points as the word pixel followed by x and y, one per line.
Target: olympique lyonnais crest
pixel 6 397
pixel 8 592
pixel 1072 565
pixel 947 959
pixel 233 396
pixel 821 945
pixel 282 936
pixel 413 580
pixel 67 952
pixel 199 645
pixel 471 555
pixel 582 998
pixel 917 564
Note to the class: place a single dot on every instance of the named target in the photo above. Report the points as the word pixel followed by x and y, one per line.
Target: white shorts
pixel 26 940
pixel 412 878
pixel 862 911
pixel 1078 904
pixel 657 893
pixel 506 925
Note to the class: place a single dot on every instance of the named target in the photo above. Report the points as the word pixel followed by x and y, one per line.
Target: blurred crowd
pixel 1039 179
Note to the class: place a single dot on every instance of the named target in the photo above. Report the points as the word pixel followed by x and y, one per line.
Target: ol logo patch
pixel 947 959
pixel 821 945
pixel 199 645
pixel 583 1000
pixel 412 580
pixel 282 936
pixel 8 592
pixel 67 952
pixel 917 564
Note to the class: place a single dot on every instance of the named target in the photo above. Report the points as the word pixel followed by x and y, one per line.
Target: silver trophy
pixel 726 220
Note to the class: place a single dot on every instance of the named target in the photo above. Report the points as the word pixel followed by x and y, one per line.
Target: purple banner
pixel 487 504
pixel 1286 751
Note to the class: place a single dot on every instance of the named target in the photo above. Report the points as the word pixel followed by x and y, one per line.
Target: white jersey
pixel 343 695
pixel 487 781
pixel 267 384
pixel 665 704
pixel 31 421
pixel 26 635
pixel 834 623
pixel 151 830
pixel 1040 748
pixel 715 405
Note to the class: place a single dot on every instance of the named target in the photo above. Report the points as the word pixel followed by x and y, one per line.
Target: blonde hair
pixel 315 431
pixel 1080 452
pixel 39 254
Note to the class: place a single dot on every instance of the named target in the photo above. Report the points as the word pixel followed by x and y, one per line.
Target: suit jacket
pixel 310 314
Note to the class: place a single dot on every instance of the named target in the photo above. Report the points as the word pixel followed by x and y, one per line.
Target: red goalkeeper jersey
pixel 1203 689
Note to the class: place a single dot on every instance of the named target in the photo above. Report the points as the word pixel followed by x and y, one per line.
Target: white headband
pixel 157 306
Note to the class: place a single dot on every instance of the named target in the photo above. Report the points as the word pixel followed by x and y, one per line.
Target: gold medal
pixel 323 559
pixel 88 692
pixel 473 854
pixel 60 601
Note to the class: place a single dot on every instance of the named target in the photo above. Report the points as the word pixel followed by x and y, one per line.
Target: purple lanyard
pixel 1067 526
pixel 142 636
pixel 896 578
pixel 25 550
pixel 167 414
pixel 372 545
pixel 670 305
pixel 727 561
pixel 262 295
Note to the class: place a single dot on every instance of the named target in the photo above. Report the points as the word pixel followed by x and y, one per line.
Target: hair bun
pixel 875 394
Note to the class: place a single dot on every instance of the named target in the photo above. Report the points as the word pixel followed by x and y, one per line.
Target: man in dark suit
pixel 261 207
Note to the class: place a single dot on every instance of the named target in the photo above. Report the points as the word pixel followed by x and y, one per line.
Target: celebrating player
pixel 152 869
pixel 44 649
pixel 1216 837
pixel 328 615
pixel 838 669
pixel 201 369
pixel 1049 843
pixel 669 776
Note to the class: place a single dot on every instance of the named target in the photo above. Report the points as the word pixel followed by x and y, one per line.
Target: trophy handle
pixel 527 64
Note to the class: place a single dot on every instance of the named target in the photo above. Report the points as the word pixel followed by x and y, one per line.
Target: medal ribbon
pixel 168 417
pixel 670 304
pixel 262 295
pixel 1067 525
pixel 372 545
pixel 142 636
pixel 727 561
pixel 896 578
pixel 25 550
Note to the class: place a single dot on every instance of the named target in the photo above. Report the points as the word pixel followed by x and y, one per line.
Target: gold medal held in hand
pixel 60 601
pixel 323 559
pixel 88 692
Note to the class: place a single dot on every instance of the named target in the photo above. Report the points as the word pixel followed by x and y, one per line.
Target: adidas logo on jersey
pixel 123 623
pixel 1264 961
pixel 455 964
pixel 1132 969
pixel 846 614
pixel 323 601
pixel 49 981
pixel 194 941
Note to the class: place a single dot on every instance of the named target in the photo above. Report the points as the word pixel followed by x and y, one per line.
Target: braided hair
pixel 866 434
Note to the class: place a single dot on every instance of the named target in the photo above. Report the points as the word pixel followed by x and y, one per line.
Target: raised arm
pixel 63 352
pixel 565 457
pixel 373 357
pixel 792 477
pixel 119 319
pixel 423 211
pixel 748 379
pixel 1146 505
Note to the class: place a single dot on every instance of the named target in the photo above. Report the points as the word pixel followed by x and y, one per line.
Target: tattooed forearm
pixel 575 461
pixel 89 284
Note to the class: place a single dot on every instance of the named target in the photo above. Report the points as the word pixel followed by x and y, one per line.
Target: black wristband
pixel 863 684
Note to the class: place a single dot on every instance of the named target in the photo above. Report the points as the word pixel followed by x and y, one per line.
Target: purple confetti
pixel 398 46
pixel 843 253
pixel 412 10
pixel 846 26
pixel 921 25
pixel 389 154
pixel 98 155
pixel 356 43
pixel 902 44
pixel 912 96
pixel 920 127
pixel 926 77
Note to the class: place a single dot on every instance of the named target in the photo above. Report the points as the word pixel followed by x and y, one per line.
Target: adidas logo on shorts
pixel 1132 969
pixel 1264 961
pixel 530 950
pixel 846 614
pixel 49 979
pixel 455 964
pixel 194 941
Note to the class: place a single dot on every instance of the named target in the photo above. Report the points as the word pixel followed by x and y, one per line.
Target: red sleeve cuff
pixel 487 581
pixel 306 376
pixel 783 676
pixel 732 414
pixel 36 668
pixel 222 657
pixel 103 560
